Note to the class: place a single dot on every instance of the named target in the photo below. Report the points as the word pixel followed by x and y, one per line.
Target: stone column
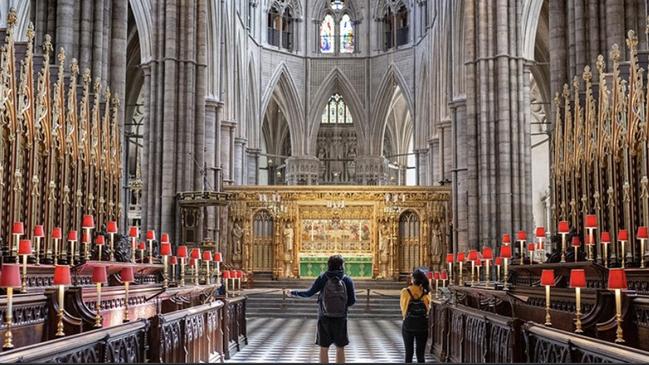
pixel 435 165
pixel 459 175
pixel 423 172
pixel 252 166
pixel 371 170
pixel 227 149
pixel 239 160
pixel 302 170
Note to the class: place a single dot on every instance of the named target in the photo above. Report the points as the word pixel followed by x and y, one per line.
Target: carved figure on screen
pixel 288 251
pixel 384 250
pixel 237 234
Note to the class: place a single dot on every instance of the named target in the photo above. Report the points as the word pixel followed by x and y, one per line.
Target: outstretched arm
pixel 315 287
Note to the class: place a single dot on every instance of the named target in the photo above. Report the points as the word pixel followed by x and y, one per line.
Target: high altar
pixel 290 231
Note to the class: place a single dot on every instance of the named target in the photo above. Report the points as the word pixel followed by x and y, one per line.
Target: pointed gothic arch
pixel 253 119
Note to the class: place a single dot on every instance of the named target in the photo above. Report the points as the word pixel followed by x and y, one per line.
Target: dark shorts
pixel 332 331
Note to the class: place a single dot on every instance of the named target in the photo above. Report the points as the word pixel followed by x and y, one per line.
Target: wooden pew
pixel 235 335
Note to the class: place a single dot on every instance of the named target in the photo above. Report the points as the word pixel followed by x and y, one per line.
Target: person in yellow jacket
pixel 415 301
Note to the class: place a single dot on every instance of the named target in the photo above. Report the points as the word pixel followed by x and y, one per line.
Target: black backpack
pixel 416 315
pixel 333 298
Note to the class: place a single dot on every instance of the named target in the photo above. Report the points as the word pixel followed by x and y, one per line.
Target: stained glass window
pixel 337 4
pixel 327 34
pixel 336 111
pixel 346 34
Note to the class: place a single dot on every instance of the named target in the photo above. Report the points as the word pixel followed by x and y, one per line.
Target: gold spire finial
pixel 97 84
pixel 587 75
pixel 600 64
pixel 11 18
pixel 566 90
pixel 615 53
pixel 74 67
pixel 86 75
pixel 61 56
pixel 632 40
pixel 47 44
pixel 30 32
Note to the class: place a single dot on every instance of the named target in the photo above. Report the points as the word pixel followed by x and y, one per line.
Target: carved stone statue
pixel 288 251
pixel 384 250
pixel 237 234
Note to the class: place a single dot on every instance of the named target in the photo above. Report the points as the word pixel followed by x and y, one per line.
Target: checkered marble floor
pixel 291 340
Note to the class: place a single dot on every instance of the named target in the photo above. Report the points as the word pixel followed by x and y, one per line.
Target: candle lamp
pixel 540 247
pixel 237 280
pixel 207 258
pixel 507 239
pixel 575 244
pixel 56 236
pixel 9 280
pixel 133 233
pixel 605 240
pixel 182 254
pixel 218 258
pixel 498 262
pixel 590 223
pixel 150 237
pixel 642 235
pixel 72 239
pixel 443 276
pixel 111 229
pixel 17 230
pixel 196 255
pixel 530 250
pixel 450 259
pixel 589 245
pixel 460 260
pixel 99 277
pixel 522 237
pixel 100 241
pixel 24 250
pixel 126 274
pixel 436 278
pixel 226 277
pixel 142 248
pixel 61 279
pixel 506 254
pixel 578 281
pixel 547 280
pixel 622 236
pixel 173 261
pixel 487 255
pixel 473 256
pixel 563 229
pixel 165 252
pixel 39 234
pixel 429 276
pixel 88 224
pixel 617 282
pixel 478 265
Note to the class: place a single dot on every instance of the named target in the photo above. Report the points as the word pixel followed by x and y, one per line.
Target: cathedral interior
pixel 171 172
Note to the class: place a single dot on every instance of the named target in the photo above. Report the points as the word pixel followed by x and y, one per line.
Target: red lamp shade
pixel 530 247
pixel 217 257
pixel 18 228
pixel 88 222
pixel 487 253
pixel 617 278
pixel 164 238
pixel 590 221
pixel 150 235
pixel 56 233
pixel 173 260
pixel 450 258
pixel 436 275
pixel 507 239
pixel 99 275
pixel 443 275
pixel 39 231
pixel 165 249
pixel 429 275
pixel 473 255
pixel 127 275
pixel 62 275
pixel 642 233
pixel 575 241
pixel 564 227
pixel 547 277
pixel 499 261
pixel 622 235
pixel 182 251
pixel 460 257
pixel 72 235
pixel 99 240
pixel 132 232
pixel 226 274
pixel 540 232
pixel 141 246
pixel 605 237
pixel 111 227
pixel 196 253
pixel 506 252
pixel 10 276
pixel 25 247
pixel 207 255
pixel 577 278
pixel 521 235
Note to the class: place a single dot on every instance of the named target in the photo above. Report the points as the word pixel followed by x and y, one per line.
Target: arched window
pixel 395 25
pixel 327 34
pixel 337 28
pixel 346 34
pixel 281 24
pixel 336 111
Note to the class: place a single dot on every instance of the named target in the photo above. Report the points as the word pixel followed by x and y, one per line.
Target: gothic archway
pixel 262 242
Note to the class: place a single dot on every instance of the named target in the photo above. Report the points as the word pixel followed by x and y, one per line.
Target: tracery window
pixel 337 29
pixel 336 111
pixel 281 24
pixel 395 24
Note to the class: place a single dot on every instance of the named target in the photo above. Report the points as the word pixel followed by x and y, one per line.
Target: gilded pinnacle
pixel 615 53
pixel 632 40
pixel 75 67
pixel 600 64
pixel 61 55
pixel 587 75
pixel 97 83
pixel 566 90
pixel 11 18
pixel 47 44
pixel 86 75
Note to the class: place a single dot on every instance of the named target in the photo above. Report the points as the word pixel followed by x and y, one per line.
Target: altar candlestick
pixel 17 230
pixel 72 239
pixel 39 233
pixel 460 260
pixel 605 240
pixel 564 230
pixel 617 281
pixel 150 237
pixel 88 224
pixel 142 248
pixel 449 260
pixel 196 255
pixel 99 241
pixel 473 256
pixel 578 281
pixel 61 279
pixel 531 250
pixel 522 236
pixel 575 244
pixel 133 233
pixel 436 278
pixel 127 277
pixel 111 229
pixel 56 236
pixel 9 279
pixel 642 236
pixel 207 257
pixel 487 255
pixel 99 277
pixel 506 254
pixel 24 250
pixel 590 222
pixel 540 236
pixel 547 280
pixel 182 254
pixel 622 236
pixel 173 261
pixel 218 258
pixel 165 251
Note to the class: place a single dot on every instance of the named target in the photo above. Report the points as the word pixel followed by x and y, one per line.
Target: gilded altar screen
pixel 339 236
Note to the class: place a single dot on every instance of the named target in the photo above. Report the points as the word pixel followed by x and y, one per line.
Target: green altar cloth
pixel 355 266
